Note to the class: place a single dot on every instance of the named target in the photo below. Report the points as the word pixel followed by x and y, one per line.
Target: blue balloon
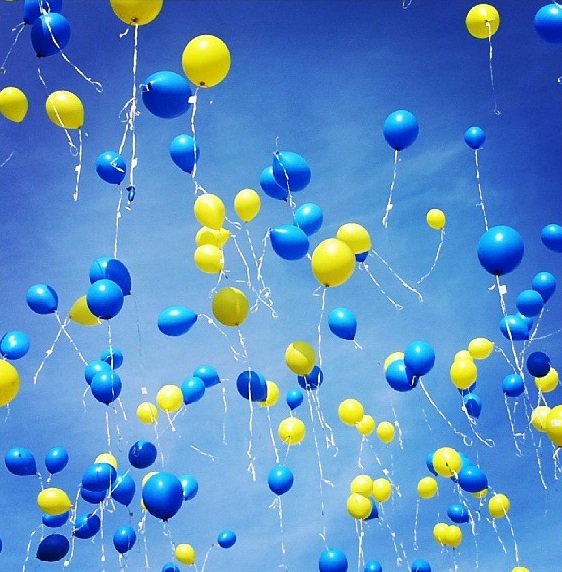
pixel 124 488
pixel 343 323
pixel 400 129
pixel 458 513
pixel 538 364
pixel 429 463
pixel 290 171
pixel 473 404
pixel 55 520
pixel 20 462
pixel 104 299
pixel 420 566
pixel 226 539
pixel 528 321
pixel 308 218
pixel 190 487
pixel 545 284
pixel 332 560
pixel 373 566
pixel 56 459
pixel 374 512
pixel 32 9
pixel 42 299
pixel 162 495
pixel 313 380
pixel 548 23
pixel 184 152
pixel 529 303
pixel 111 167
pixel 106 387
pixel 500 250
pixel 94 367
pixel 514 328
pixel 252 385
pixel 294 398
pixel 166 94
pixel 398 376
pixel 86 526
pixel 93 497
pixel 208 374
pixel 170 567
pixel 99 477
pixel 289 242
pixel 472 479
pixel 551 236
pixel 50 34
pixel 361 257
pixel 176 320
pixel 419 358
pixel 111 269
pixel 124 539
pixel 513 385
pixel 14 344
pixel 270 187
pixel 142 454
pixel 470 389
pixel 52 548
pixel 113 357
pixel 193 389
pixel 474 137
pixel 280 479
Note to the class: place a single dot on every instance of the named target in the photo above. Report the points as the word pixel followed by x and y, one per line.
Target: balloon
pixel 519 569
pixel 162 495
pixel 400 129
pixel 272 391
pixel 313 380
pixel 291 431
pixel 270 187
pixel 280 479
pixel 176 320
pixel 498 506
pixel 308 218
pixel 548 25
pixel 106 387
pixel 32 9
pixel 185 553
pixel 104 299
pixel 427 487
pixel 111 269
pixel 420 566
pixel 514 328
pixel 551 236
pixel 362 485
pixel 56 460
pixel 53 501
pixel 65 110
pixel 447 462
pixel 226 539
pixel 373 566
pixel 123 490
pixel 289 242
pixel 419 358
pixel 453 536
pixel 359 506
pixel 513 385
pixel 14 344
pixel 190 487
pixel 500 250
pixel 252 385
pixel 333 262
pixel 184 152
pixel 86 526
pixel 382 490
pixel 124 539
pixel 355 236
pixel 386 432
pixel 458 513
pixel 95 367
pixel 230 306
pixel 81 314
pixel 107 458
pixel 463 373
pixel 480 348
pixel 55 521
pixel 20 462
pixel 350 411
pixel 192 389
pixel 538 364
pixel 300 357
pixel 545 284
pixel 366 426
pixel 206 235
pixel 13 104
pixel 42 299
pixel 290 171
pixel 472 404
pixel 392 357
pixel 99 477
pixel 429 463
pixel 208 374
pixel 294 398
pixel 553 425
pixel 332 560
pixel 209 210
pixel 343 323
pixel 93 497
pixel 436 219
pixel 113 357
pixel 170 567
pixel 166 94
pixel 206 60
pixel 548 382
pixel 111 167
pixel 142 454
pixel 529 303
pixel 474 137
pixel 247 204
pixel 482 21
pixel 147 413
pixel 440 532
pixel 50 34
pixel 472 479
pixel 399 377
pixel 52 548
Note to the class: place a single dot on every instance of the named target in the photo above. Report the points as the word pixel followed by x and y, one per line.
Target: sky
pixel 318 78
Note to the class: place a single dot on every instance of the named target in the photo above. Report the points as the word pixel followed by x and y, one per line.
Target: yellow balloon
pixel 185 553
pixel 440 532
pixel 65 109
pixel 291 431
pixel 480 494
pixel 394 356
pixel 482 21
pixel 209 259
pixel 350 411
pixel 547 383
pixel 480 348
pixel 206 60
pixel 300 357
pixel 359 506
pixel 169 398
pixel 366 426
pixel 463 354
pixel 147 413
pixel 206 235
pixel 463 373
pixel 382 489
pixel 447 462
pixel 333 262
pixel 539 417
pixel 362 485
pixel 453 536
pixel 272 394
pixel 519 569
pixel 13 104
pixel 386 432
pixel 53 501
pixel 147 476
pixel 230 306
pixel 136 12
pixel 554 425
pixel 427 487
pixel 209 210
pixel 247 204
pixel 107 458
pixel 9 382
pixel 81 314
pixel 435 219
pixel 498 506
pixel 355 236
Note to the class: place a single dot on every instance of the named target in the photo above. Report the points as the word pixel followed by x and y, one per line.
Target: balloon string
pixel 493 523
pixel 209 550
pixel 248 281
pixel 33 533
pixel 365 267
pixel 328 431
pixel 197 188
pixel 480 194
pixel 251 458
pixel 500 351
pixel 225 410
pixel 117 219
pixel 515 547
pixel 18 29
pixel 397 425
pixel 102 512
pixel 435 260
pixel 416 524
pixel 63 325
pixel 203 453
pixel 272 437
pixel 48 354
pixel 362 446
pixel 319 327
pixel 397 276
pixel 491 56
pixel 108 434
pixel 399 559
pixel 389 204
pixel 512 425
pixel 472 424
pixel 406 4
pixel 237 355
pixel 5 161
pixel 78 167
pixel 360 536
pixel 545 336
pixel 292 203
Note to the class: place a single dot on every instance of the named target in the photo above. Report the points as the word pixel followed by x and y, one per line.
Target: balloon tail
pixel 389 204
pixel 319 327
pixel 494 526
pixel 397 276
pixel 68 336
pixel 48 354
pixel 225 410
pixel 359 530
pixel 18 30
pixel 436 259
pixel 512 425
pixel 365 267
pixel 193 100
pixel 480 194
pixel 84 396
pixel 117 219
pixel 515 547
pixel 491 57
pixel 272 437
pixel 328 431
pixel 168 534
pixel 40 479
pixel 5 161
pixel 416 524
pixel 78 168
pixel 251 458
pixel 108 433
pixel 28 551
pixel 397 425
pixel 359 462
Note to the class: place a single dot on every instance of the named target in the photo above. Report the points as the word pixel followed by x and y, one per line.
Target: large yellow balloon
pixel 447 462
pixel 209 259
pixel 291 431
pixel 247 204
pixel 65 109
pixel 480 348
pixel 272 394
pixel 463 354
pixel 53 501
pixel 107 458
pixel 206 60
pixel 333 262
pixel 355 236
pixel 169 398
pixel 463 373
pixel 382 489
pixel 394 356
pixel 9 382
pixel 350 411
pixel 206 235
pixel 185 553
pixel 440 532
pixel 427 487
pixel 359 506
pixel 362 485
pixel 539 417
pixel 300 358
pixel 147 413
pixel 366 426
pixel 482 21
pixel 498 506
pixel 547 383
pixel 81 314
pixel 435 219
pixel 230 306
pixel 13 104
pixel 519 569
pixel 453 536
pixel 554 425
pixel 209 210
pixel 137 12
pixel 386 432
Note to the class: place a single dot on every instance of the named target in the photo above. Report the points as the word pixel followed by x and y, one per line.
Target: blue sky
pixel 321 76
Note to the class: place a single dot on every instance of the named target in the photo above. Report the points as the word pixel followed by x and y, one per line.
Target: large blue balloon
pixel 106 387
pixel 123 490
pixel 420 566
pixel 93 497
pixel 551 236
pixel 208 374
pixel 104 299
pixel 14 344
pixel 529 303
pixel 270 187
pixel 400 129
pixel 312 380
pixel 280 479
pixel 190 487
pixel 111 167
pixel 112 269
pixel 56 459
pixel 162 495
pixel 458 513
pixel 53 548
pixel 142 454
pixel 399 377
pixel 419 358
pixel 50 34
pixel 184 152
pixel 548 23
pixel 94 367
pixel 289 242
pixel 170 567
pixel 294 398
pixel 176 320
pixel 474 137
pixel 193 389
pixel 86 526
pixel 124 539
pixel 55 520
pixel 373 566
pixel 20 462
pixel 113 357
pixel 166 94
pixel 515 328
pixel 473 404
pixel 429 463
pixel 309 218
pixel 342 323
pixel 513 385
pixel 42 299
pixel 332 560
pixel 226 539
pixel 32 9
pixel 291 171
pixel 99 477
pixel 500 250
pixel 252 385
pixel 472 479
pixel 538 364
pixel 545 284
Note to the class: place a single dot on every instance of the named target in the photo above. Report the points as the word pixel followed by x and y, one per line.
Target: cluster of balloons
pixel 363 489
pixel 403 369
pixel 351 412
pixel 335 560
